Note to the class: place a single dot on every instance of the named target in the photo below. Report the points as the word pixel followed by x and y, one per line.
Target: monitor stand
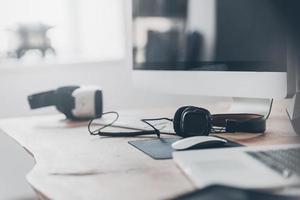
pixel 251 105
pixel 293 111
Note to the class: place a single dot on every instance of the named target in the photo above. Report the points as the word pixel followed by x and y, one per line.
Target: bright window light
pixel 78 30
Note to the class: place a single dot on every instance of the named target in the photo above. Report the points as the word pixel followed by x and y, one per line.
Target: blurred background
pixel 61 31
pixel 45 44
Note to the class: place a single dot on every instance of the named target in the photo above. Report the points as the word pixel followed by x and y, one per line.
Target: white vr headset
pixel 77 103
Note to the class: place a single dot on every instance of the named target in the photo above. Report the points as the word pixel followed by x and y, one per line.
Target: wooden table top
pixel 71 164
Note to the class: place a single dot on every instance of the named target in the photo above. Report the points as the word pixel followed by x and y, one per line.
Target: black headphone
pixel 194 121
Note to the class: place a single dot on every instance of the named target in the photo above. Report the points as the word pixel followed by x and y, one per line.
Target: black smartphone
pixel 217 192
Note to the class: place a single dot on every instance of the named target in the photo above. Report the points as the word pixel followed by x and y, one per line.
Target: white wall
pixel 17 83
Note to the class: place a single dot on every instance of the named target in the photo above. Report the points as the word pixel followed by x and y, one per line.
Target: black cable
pixel 270 110
pixel 155 129
pixel 157 119
pixel 97 131
pixel 126 134
pixel 218 130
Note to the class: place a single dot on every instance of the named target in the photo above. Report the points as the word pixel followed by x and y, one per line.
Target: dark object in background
pixel 31 37
pixel 194 49
pixel 77 103
pixel 251 34
pixel 163 47
pixel 252 30
pixel 160 8
pixel 231 193
pixel 173 49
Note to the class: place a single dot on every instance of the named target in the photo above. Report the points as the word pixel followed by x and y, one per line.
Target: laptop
pixel 267 167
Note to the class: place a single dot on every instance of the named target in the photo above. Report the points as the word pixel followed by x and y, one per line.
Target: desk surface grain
pixel 71 164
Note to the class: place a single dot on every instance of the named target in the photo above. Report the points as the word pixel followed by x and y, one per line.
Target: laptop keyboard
pixel 284 161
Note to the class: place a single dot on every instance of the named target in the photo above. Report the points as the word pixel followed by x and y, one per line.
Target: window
pixel 61 30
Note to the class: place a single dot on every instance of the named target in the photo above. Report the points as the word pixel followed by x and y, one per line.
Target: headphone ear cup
pixel 177 120
pixel 187 126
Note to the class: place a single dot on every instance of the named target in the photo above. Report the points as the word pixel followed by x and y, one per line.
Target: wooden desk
pixel 71 164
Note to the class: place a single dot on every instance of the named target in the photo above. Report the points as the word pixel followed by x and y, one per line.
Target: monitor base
pixel 251 105
pixel 293 111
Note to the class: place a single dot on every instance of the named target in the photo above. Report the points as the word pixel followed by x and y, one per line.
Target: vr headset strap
pixel 42 99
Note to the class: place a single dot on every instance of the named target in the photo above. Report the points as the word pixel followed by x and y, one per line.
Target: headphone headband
pixel 241 122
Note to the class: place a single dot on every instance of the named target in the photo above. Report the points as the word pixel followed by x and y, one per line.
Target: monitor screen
pixel 211 35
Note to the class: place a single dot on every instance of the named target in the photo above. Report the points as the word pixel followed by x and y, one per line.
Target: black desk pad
pixel 160 149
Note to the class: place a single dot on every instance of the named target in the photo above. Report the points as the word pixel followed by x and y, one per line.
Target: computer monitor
pixel 228 48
